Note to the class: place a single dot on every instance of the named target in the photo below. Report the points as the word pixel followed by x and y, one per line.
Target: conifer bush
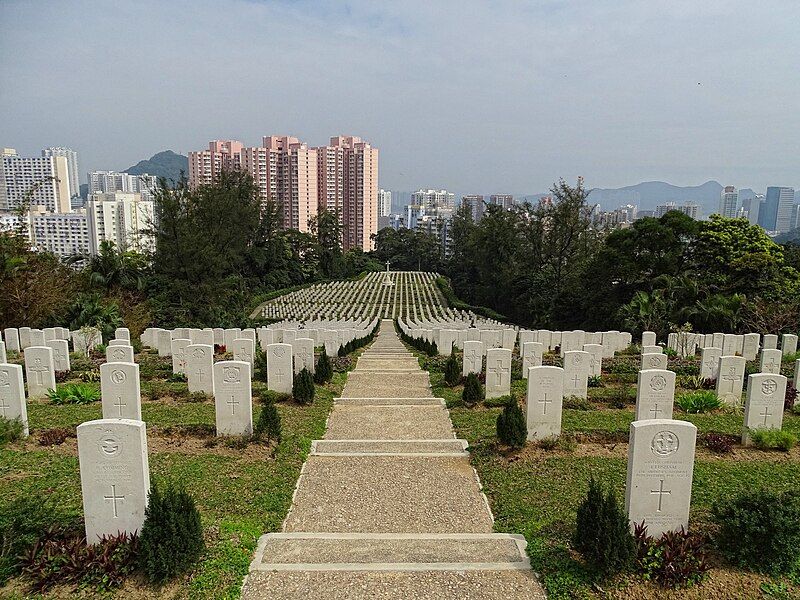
pixel 323 372
pixel 473 390
pixel 602 534
pixel 171 537
pixel 268 425
pixel 452 372
pixel 511 427
pixel 303 387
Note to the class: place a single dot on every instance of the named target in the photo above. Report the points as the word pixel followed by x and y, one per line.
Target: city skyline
pixel 591 99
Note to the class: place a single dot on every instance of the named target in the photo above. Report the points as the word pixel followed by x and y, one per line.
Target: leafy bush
pixel 760 530
pixel 260 364
pixel 772 439
pixel 74 393
pixel 64 557
pixel 473 390
pixel 23 522
pixel 498 402
pixel 171 537
pixel 790 398
pixel 595 381
pixel 691 382
pixel 577 403
pixel 720 442
pixel 452 372
pixel 677 559
pixel 602 534
pixel 177 378
pixel 269 423
pixel 55 436
pixel 511 427
pixel 198 397
pixel 701 401
pixel 61 376
pixel 303 387
pixel 11 430
pixel 323 370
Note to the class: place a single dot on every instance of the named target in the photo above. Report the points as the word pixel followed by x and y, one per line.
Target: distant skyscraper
pixel 475 205
pixel 43 181
pixel 414 213
pixel 101 182
pixel 384 203
pixel 691 209
pixel 63 234
pixel 504 200
pixel 206 165
pixel 434 199
pixel 72 166
pixel 776 212
pixel 750 208
pixel 663 209
pixel 796 209
pixel 120 217
pixel 729 202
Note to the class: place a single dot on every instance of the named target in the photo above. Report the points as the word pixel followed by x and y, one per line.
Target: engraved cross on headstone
pixel 200 373
pixel 732 377
pixel 544 402
pixel 114 498
pixel 497 371
pixel 575 380
pixel 4 406
pixel 38 368
pixel 120 404
pixel 766 414
pixel 661 492
pixel 233 403
pixel 655 410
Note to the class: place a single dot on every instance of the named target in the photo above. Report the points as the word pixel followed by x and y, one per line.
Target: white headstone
pixel 3 355
pixel 473 357
pixel 648 339
pixel 771 361
pixel 576 373
pixel 231 334
pixel 532 353
pixel 303 350
pixel 115 476
pixel 788 344
pixel 498 372
pixel 178 352
pixel 751 345
pixel 120 391
pixel 658 490
pixel 730 380
pixel 164 342
pixel 37 337
pixel 763 408
pixel 25 337
pixel 595 359
pixel 12 395
pixel 544 402
pixel 60 354
pixel 200 368
pixel 279 368
pixel 233 397
pixel 654 361
pixel 122 333
pixel 770 340
pixel 709 362
pixel 243 349
pixel 39 370
pixel 655 394
pixel 11 336
pixel 119 354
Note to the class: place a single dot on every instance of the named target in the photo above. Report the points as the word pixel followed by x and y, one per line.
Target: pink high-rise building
pixel 341 177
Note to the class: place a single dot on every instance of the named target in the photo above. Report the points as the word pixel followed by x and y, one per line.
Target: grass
pixel 240 497
pixel 536 491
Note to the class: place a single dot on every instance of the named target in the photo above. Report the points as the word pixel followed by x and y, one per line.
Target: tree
pixel 269 423
pixel 114 268
pixel 328 231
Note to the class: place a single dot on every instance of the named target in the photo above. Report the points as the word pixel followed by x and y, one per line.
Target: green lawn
pixel 240 495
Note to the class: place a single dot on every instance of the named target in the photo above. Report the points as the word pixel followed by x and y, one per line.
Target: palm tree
pixel 114 268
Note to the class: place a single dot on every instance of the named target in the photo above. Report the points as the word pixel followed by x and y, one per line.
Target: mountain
pixel 166 164
pixel 649 194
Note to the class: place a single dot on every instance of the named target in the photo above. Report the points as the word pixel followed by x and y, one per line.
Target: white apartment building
pixel 729 202
pixel 384 203
pixel 63 234
pixel 72 165
pixel 434 199
pixel 41 181
pixel 123 218
pixel 112 181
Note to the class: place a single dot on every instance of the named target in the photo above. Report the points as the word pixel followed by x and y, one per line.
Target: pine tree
pixel 511 426
pixel 303 387
pixel 269 423
pixel 324 370
pixel 452 373
pixel 473 390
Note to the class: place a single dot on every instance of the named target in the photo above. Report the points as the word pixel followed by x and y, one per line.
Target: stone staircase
pixel 387 504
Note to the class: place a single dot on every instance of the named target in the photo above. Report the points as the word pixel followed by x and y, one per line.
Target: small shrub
pixel 602 534
pixel 260 364
pixel 61 376
pixel 691 382
pixel 720 442
pixel 303 387
pixel 760 530
pixel 473 390
pixel 452 372
pixel 675 560
pixel 269 423
pixel 90 377
pixel 220 349
pixel 709 384
pixel 171 537
pixel 511 427
pixel 177 378
pixel 198 397
pixel 701 401
pixel 595 381
pixel 55 436
pixel 323 370
pixel 790 398
pixel 74 393
pixel 670 352
pixel 342 364
pixel 772 439
pixel 11 430
pixel 78 362
pixel 577 403
pixel 65 558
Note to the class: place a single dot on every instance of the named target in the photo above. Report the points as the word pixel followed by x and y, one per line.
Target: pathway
pixel 387 504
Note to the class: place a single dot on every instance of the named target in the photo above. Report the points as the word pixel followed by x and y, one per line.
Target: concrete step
pixel 390 401
pixel 446 447
pixel 389 552
pixel 510 584
pixel 388 494
pixel 388 422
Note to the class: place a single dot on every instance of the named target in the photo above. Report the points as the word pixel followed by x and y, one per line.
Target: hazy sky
pixel 501 96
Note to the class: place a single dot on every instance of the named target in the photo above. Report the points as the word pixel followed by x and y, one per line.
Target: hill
pixel 649 194
pixel 166 164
